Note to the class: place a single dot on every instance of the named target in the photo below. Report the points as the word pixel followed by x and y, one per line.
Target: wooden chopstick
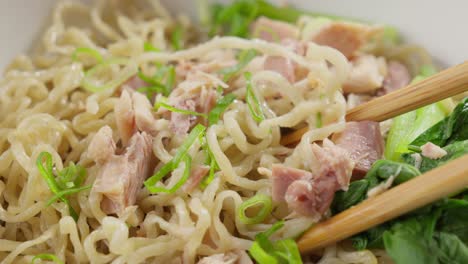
pixel 442 85
pixel 422 190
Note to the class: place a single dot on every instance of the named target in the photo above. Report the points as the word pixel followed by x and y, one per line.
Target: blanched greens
pixel 437 233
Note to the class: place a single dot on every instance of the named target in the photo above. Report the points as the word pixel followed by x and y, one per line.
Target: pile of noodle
pixel 44 108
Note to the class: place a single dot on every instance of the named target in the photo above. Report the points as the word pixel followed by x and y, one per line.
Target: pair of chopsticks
pixel 420 191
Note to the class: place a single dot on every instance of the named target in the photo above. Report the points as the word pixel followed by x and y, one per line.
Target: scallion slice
pixel 163 104
pixel 176 37
pixel 87 51
pixel 220 107
pixel 181 155
pixel 259 199
pixel 253 103
pixel 46 256
pixel 94 85
pixel 245 56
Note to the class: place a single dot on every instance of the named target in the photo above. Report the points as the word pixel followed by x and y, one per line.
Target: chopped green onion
pixel 156 84
pixel 259 199
pixel 252 101
pixel 45 256
pixel 318 118
pixel 66 183
pixel 414 148
pixel 215 114
pixel 176 37
pixel 244 58
pixel 88 51
pixel 71 176
pixel 264 251
pixel 171 108
pixel 180 155
pixel 97 86
pixel 148 47
pixel 211 160
pixel 161 173
pixel 63 193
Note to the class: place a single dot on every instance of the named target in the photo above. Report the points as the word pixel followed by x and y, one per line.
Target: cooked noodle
pixel 44 108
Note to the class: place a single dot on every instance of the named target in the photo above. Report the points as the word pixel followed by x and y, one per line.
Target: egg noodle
pixel 46 108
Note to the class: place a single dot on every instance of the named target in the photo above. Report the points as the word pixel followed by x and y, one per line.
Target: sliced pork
pixel 397 77
pixel 133 112
pixel 120 177
pixel 311 194
pixel 283 177
pixel 364 143
pixel 273 30
pixel 348 38
pixel 366 76
pixel 432 151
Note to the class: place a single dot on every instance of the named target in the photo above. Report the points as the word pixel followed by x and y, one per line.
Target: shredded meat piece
pixel 334 162
pixel 432 151
pixel 311 194
pixel 366 76
pixel 283 177
pixel 133 113
pixel 234 257
pixel 348 38
pixel 397 77
pixel 120 177
pixel 274 31
pixel 364 143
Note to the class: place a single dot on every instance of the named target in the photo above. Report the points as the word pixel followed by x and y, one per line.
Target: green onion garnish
pixel 94 85
pixel 176 37
pixel 66 183
pixel 87 51
pixel 181 155
pixel 220 107
pixel 244 57
pixel 252 101
pixel 211 161
pixel 318 120
pixel 148 47
pixel 259 199
pixel 63 193
pixel 265 251
pixel 156 83
pixel 163 104
pixel 45 256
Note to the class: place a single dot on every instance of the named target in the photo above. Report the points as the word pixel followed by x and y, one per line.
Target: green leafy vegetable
pixel 260 199
pixel 66 183
pixel 45 256
pixel 181 155
pixel 409 126
pixel 219 108
pixel 454 151
pixel 87 51
pixel 284 251
pixel 93 84
pixel 380 172
pixel 451 129
pixel 253 103
pixel 244 57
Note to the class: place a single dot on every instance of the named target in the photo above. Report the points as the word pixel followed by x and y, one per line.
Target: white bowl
pixel 437 25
